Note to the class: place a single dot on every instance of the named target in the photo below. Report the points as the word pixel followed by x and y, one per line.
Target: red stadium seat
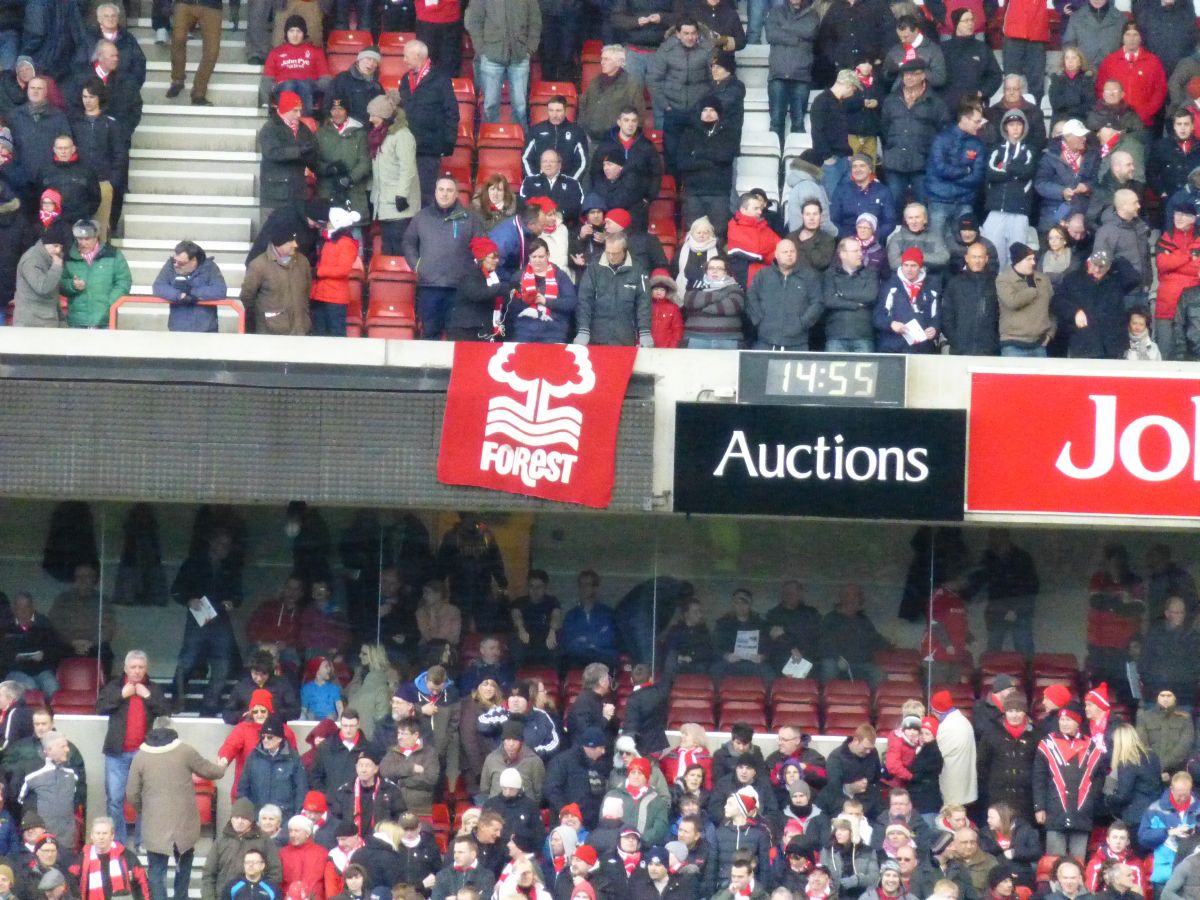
pixel 795 717
pixel 391 43
pixel 493 161
pixel 791 688
pixel 347 42
pixel 750 685
pixel 736 714
pixel 1006 662
pixel 501 136
pixel 897 663
pixel 842 724
pixel 340 62
pixel 693 685
pixel 848 689
pixel 79 681
pixel 206 800
pixel 1061 664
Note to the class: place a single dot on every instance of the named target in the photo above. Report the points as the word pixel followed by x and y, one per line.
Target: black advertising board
pixel 824 462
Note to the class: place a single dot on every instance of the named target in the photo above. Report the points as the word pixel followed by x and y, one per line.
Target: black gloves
pixel 401 203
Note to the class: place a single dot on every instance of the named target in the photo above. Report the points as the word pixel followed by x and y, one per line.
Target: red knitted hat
pixel 913 254
pixel 941 702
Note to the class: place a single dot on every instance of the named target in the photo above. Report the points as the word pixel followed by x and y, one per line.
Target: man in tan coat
pixel 276 288
pixel 160 790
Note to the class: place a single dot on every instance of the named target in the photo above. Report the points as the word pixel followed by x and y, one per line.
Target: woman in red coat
pixel 244 737
pixel 1139 72
pixel 331 290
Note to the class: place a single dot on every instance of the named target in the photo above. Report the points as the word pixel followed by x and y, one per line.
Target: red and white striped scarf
pixel 416 76
pixel 529 289
pixel 687 759
pixel 91 875
pixel 358 809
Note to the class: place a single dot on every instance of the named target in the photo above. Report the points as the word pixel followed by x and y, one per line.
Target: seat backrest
pixel 79 673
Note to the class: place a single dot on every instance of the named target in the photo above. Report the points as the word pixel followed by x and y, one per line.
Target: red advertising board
pixel 1084 444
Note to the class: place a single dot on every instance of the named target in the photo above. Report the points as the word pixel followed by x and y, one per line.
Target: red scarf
pixel 358 813
pixel 47 218
pixel 416 76
pixel 867 81
pixel 1015 730
pixel 559 863
pixel 631 861
pixel 635 793
pixel 1186 146
pixel 1003 841
pixel 469 868
pixel 1133 57
pixel 91 873
pixel 910 53
pixel 1071 158
pixel 687 759
pixel 1180 807
pixel 409 751
pixel 529 289
pixel 816 895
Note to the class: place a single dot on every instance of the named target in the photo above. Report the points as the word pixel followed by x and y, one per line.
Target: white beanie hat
pixel 511 778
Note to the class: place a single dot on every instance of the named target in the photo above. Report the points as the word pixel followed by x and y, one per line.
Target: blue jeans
pixel 43 681
pixel 433 309
pixel 158 874
pixel 834 173
pixel 8 48
pixel 493 75
pixel 1021 630
pixel 213 645
pixel 636 65
pixel 899 184
pixel 849 345
pixel 328 319
pixel 116 777
pixel 787 97
pixel 756 18
pixel 701 343
pixel 1010 350
pixel 943 218
pixel 304 88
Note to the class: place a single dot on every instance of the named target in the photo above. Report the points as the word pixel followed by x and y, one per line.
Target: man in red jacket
pixel 1026 34
pixel 1139 72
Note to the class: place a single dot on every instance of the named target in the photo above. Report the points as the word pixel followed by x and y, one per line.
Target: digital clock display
pixel 809 378
pixel 822 378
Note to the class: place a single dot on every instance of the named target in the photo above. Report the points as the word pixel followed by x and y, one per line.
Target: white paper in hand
pixel 913 332
pixel 204 613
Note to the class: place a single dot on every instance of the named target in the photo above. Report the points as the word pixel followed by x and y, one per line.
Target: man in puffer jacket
pixel 273 773
pixel 1125 236
pixel 1170 819
pixel 862 193
pixel 223 865
pixel 912 115
pixel 956 168
pixel 971 314
pixel 908 297
pixel 677 79
pixel 785 301
pixel 1091 304
pixel 614 305
pixel 50 791
pixel 915 232
pixel 849 292
pixel 188 277
pixel 1066 175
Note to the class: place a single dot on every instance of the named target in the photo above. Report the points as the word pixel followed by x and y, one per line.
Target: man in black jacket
pixel 131 703
pixel 646 712
pixel 124 93
pixel 556 133
pixel 427 98
pixel 970 308
pixel 854 771
pixel 580 775
pixel 261 675
pixel 705 160
pixel 74 181
pixel 288 147
pixel 550 182
pixel 638 161
pixel 212 644
pixel 464 871
pixel 335 763
pixel 368 798
pixel 359 85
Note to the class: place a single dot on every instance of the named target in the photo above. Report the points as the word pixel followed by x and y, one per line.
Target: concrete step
pixel 193 161
pixel 152 179
pixel 187 116
pixel 144 224
pixel 195 204
pixel 235 72
pixel 240 138
pixel 220 92
pixel 233 45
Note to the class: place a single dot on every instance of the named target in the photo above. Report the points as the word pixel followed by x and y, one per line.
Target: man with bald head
pixel 1125 236
pixel 427 98
pixel 784 301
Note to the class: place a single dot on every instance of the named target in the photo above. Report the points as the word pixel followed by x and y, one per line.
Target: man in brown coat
pixel 413 766
pixel 608 93
pixel 276 288
pixel 161 792
pixel 224 864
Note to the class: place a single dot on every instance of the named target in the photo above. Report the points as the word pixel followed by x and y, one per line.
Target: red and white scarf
pixel 91 875
pixel 409 751
pixel 416 76
pixel 687 758
pixel 635 792
pixel 1071 158
pixel 529 289
pixel 341 858
pixel 630 860
pixel 358 808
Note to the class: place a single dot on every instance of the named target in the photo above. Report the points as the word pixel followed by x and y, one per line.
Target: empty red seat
pixel 79 681
pixel 667 189
pixel 755 717
pixel 1055 664
pixel 795 687
pixel 907 689
pixel 690 683
pixel 997 662
pixel 840 724
pixel 501 135
pixel 493 160
pixel 347 41
pixel 390 268
pixel 391 43
pixel 848 689
pixel 340 62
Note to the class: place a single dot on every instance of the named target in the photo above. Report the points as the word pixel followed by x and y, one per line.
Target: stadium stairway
pixel 193 169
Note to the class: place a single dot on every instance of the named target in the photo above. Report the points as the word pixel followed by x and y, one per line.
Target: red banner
pixel 1107 445
pixel 535 419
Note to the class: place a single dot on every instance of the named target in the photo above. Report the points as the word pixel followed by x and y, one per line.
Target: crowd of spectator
pixel 468 743
pixel 920 217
